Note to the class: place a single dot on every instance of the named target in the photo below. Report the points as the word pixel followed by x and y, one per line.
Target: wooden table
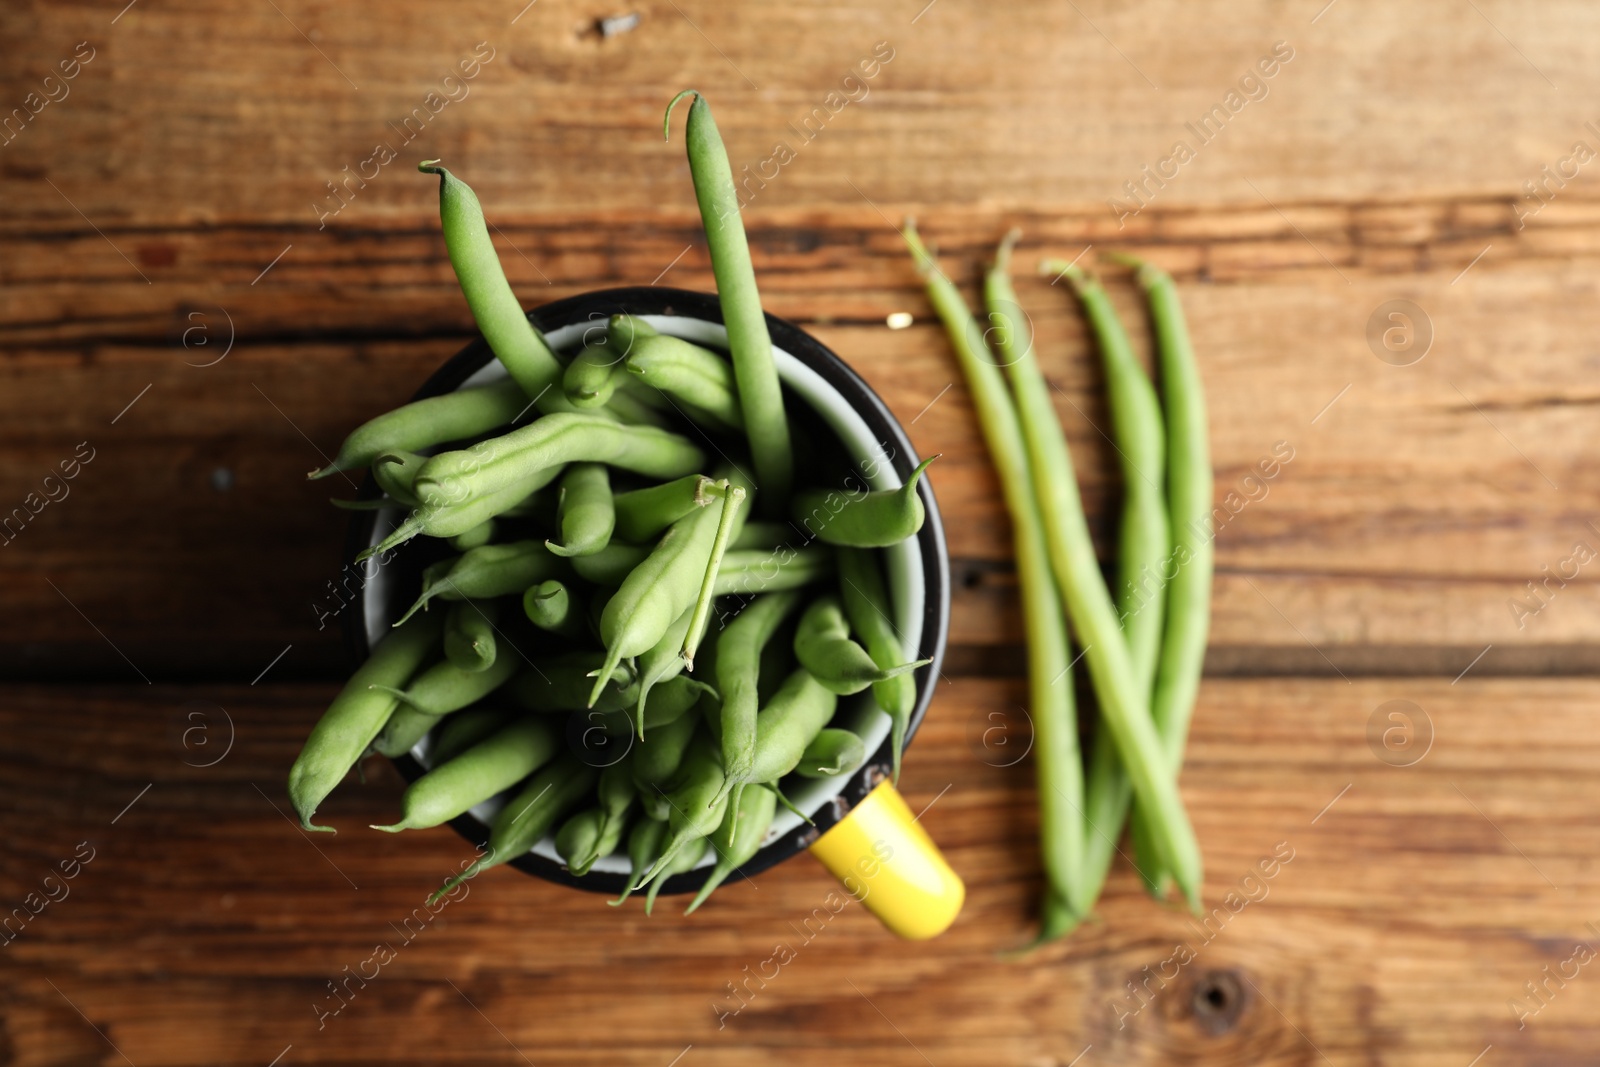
pixel 209 276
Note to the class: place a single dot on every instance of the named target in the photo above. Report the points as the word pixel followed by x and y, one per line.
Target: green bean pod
pixel 644 845
pixel 746 830
pixel 871 520
pixel 661 588
pixel 696 377
pixel 625 331
pixel 356 716
pixel 832 752
pixel 697 803
pixel 490 571
pixel 452 520
pixel 752 572
pixel 867 607
pixel 461 731
pixel 498 762
pixel 469 634
pixel 513 458
pixel 426 423
pixel 499 315
pixel 688 857
pixel 528 816
pixel 395 472
pixel 644 514
pixel 1189 492
pixel 739 649
pixel 405 727
pixel 662 662
pixel 586 513
pixel 617 796
pixel 551 606
pixel 592 377
pixel 765 536
pixel 749 344
pixel 655 764
pixel 445 688
pixel 610 566
pixel 564 683
pixel 788 724
pixel 823 646
pixel 671 700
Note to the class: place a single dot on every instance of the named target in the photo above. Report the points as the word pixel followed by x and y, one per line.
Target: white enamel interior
pixel 904 574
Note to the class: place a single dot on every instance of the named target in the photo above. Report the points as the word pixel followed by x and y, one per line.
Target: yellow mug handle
pixel 889 863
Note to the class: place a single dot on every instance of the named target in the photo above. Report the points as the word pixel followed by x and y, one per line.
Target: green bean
pixel 480 535
pixel 752 572
pixel 1189 489
pixel 493 764
pixel 428 422
pixel 687 859
pixel 1124 702
pixel 529 815
pixel 746 830
pixel 513 458
pixel 823 646
pixel 499 315
pixel 1061 828
pixel 586 513
pixel 564 683
pixel 661 588
pixel 444 687
pixel 469 634
pixel 356 716
pixel 672 699
pixel 1144 545
pixel 698 803
pixel 395 472
pixel 610 566
pixel 656 764
pixel 832 752
pixel 450 520
pixel 766 536
pixel 871 520
pixel 644 514
pixel 489 571
pixel 749 344
pixel 551 606
pixel 698 378
pixel 625 331
pixel 663 661
pixel 739 649
pixel 867 606
pixel 727 522
pixel 788 724
pixel 592 376
pixel 596 832
pixel 461 731
pixel 405 727
pixel 644 845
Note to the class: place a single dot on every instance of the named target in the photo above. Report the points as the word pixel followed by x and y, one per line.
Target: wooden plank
pixel 1408 906
pixel 1419 502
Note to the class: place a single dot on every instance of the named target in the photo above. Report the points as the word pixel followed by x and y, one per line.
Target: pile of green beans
pixel 605 649
pixel 1143 647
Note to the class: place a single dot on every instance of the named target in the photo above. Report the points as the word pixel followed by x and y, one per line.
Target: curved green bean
pixel 495 763
pixel 788 724
pixel 395 472
pixel 469 634
pixel 592 377
pixel 451 520
pixel 426 423
pixel 871 520
pixel 480 535
pixel 624 331
pixel 461 731
pixel 823 646
pixel 697 377
pixel 697 804
pixel 738 667
pixel 644 514
pixel 551 606
pixel 688 857
pixel 513 458
pixel 356 716
pixel 870 612
pixel 749 344
pixel 832 752
pixel 610 567
pixel 586 513
pixel 489 571
pixel 746 831
pixel 644 845
pixel 655 764
pixel 445 688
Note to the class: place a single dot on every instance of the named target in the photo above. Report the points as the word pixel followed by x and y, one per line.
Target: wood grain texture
pixel 1413 905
